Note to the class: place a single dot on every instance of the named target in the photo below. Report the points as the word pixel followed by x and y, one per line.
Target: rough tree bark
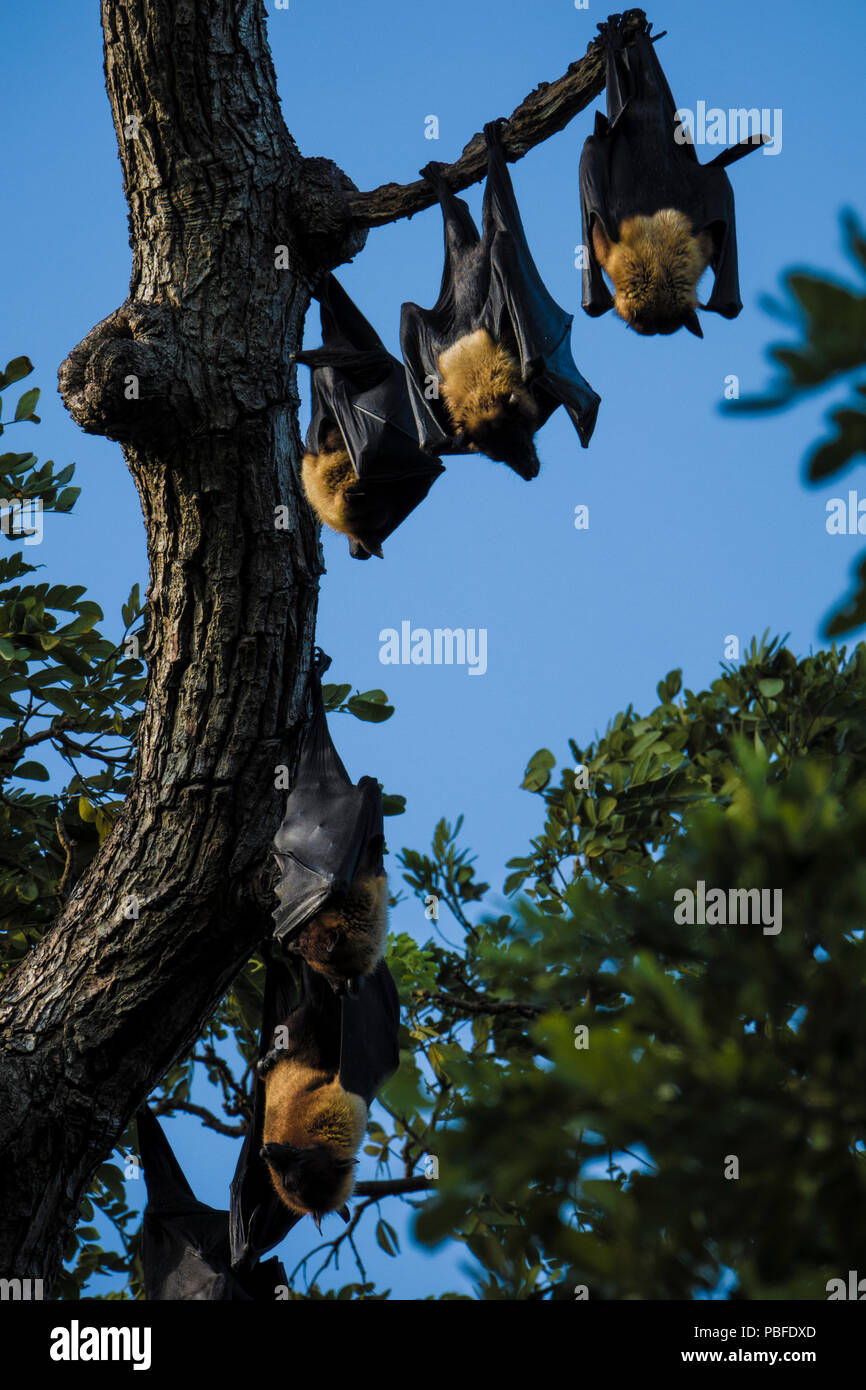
pixel 104 1005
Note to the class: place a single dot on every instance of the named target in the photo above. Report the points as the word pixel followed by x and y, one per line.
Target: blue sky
pixel 700 526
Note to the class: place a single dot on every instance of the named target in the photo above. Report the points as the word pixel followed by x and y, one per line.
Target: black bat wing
pixel 357 1038
pixel 358 386
pixel 331 827
pixel 595 201
pixel 370 1049
pixel 520 311
pixel 425 333
pixel 259 1220
pixel 185 1244
pixel 634 164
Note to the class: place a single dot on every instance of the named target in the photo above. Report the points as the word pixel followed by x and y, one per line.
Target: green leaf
pixel 27 404
pixel 538 769
pixel 67 499
pixel 32 772
pixel 513 882
pixel 770 688
pixel 7 649
pixel 334 695
pixel 372 711
pixel 393 805
pixel 16 370
pixel 386 1237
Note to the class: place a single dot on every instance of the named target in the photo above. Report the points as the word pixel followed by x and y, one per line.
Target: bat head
pixel 346 939
pixel 329 480
pixel 655 268
pixel 311 1180
pixel 494 411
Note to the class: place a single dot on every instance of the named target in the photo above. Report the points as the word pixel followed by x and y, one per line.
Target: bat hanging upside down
pixel 655 268
pixel 313 1128
pixel 329 480
pixel 493 412
pixel 654 218
pixel 496 343
pixel 345 940
pixel 364 470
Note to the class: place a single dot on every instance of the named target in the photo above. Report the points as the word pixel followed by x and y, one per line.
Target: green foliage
pixel 371 705
pixel 831 318
pixel 64 687
pixel 604 1164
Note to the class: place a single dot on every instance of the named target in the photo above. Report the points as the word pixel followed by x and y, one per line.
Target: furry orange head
pixel 655 268
pixel 346 938
pixel 488 401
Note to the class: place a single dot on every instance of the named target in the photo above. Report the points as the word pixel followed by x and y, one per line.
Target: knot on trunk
pixel 126 380
pixel 324 231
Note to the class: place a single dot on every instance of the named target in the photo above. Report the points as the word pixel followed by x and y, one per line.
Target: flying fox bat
pixel 322 1060
pixel 185 1244
pixel 363 471
pixel 491 361
pixel 332 890
pixel 653 218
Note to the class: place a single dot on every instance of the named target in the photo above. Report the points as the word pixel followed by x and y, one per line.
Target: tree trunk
pixel 193 375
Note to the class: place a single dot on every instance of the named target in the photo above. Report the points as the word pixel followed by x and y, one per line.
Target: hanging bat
pixel 312 1128
pixel 322 1060
pixel 185 1244
pixel 653 218
pixel 491 361
pixel 363 471
pixel 332 890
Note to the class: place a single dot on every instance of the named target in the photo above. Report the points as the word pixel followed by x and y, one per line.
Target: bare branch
pixel 481 1005
pixel 543 113
pixel 167 1106
pixel 392 1187
pixel 69 851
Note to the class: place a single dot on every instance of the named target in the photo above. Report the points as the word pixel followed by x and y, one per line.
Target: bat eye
pixel 513 400
pixel 332 942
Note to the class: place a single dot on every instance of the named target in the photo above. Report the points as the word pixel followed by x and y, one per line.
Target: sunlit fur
pixel 322 1127
pixel 329 480
pixel 346 938
pixel 655 267
pixel 487 399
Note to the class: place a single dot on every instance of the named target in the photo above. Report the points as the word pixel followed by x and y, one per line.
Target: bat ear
pixel 601 243
pixel 344 1213
pixel 693 323
pixel 331 941
pixel 317 1220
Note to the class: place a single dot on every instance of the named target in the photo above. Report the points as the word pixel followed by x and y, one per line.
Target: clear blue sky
pixel 699 526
